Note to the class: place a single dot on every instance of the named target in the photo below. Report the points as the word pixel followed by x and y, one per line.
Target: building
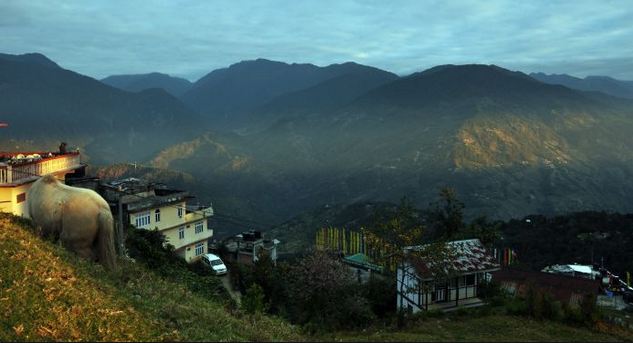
pixel 151 206
pixel 362 266
pixel 575 270
pixel 246 246
pixel 418 289
pixel 564 288
pixel 18 171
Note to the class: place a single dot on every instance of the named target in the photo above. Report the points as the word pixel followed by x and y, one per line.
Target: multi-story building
pixel 150 206
pixel 18 171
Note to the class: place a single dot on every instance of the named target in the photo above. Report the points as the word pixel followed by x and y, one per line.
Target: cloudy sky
pixel 191 38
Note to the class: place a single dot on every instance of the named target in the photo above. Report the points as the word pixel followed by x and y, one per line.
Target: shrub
pixel 253 300
pixel 148 247
pixel 517 306
pixel 380 293
pixel 534 302
pixel 323 294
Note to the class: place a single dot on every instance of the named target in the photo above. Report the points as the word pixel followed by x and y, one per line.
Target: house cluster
pixel 134 202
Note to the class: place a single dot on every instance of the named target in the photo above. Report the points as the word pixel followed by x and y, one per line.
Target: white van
pixel 215 263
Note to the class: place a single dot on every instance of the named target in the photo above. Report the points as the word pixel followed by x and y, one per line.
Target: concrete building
pixel 149 206
pixel 246 246
pixel 18 171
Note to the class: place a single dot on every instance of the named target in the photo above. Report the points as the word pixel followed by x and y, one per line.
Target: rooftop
pixel 22 167
pixel 470 256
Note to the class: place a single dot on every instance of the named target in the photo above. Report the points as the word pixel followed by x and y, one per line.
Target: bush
pixel 380 293
pixel 253 300
pixel 147 247
pixel 517 306
pixel 488 289
pixel 322 294
pixel 535 303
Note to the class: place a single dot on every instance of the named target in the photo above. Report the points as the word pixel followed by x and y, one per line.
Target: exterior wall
pixel 191 237
pixel 410 297
pixel 168 217
pixel 170 224
pixel 188 252
pixel 20 209
pixel 9 197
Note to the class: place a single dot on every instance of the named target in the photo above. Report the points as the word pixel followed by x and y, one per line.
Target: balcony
pixel 19 168
pixel 192 215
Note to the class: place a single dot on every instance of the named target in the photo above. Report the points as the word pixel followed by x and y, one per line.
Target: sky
pixel 99 38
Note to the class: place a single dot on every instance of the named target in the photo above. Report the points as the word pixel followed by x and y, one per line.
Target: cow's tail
pixel 105 245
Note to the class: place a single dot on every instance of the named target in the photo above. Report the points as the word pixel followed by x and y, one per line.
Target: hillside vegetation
pixel 48 294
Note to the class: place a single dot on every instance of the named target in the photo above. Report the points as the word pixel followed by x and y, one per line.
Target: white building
pixel 418 289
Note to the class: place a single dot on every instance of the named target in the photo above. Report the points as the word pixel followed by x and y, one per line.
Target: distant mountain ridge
pixel 509 144
pixel 36 58
pixel 44 102
pixel 226 96
pixel 175 86
pixel 604 84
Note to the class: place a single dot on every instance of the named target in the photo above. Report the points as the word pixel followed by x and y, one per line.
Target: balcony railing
pixel 17 171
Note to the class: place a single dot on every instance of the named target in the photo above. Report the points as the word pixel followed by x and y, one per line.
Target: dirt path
pixel 236 295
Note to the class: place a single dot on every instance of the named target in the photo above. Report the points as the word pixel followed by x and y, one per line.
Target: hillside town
pixel 138 204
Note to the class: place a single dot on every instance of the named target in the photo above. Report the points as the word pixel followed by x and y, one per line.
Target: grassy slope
pixel 502 328
pixel 47 293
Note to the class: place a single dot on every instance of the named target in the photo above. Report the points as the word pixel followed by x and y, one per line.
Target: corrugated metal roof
pixel 470 256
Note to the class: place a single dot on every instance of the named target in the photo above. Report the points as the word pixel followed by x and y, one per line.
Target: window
pixel 199 249
pixel 179 212
pixel 142 219
pixel 181 232
pixel 21 197
pixel 470 280
pixel 157 215
pixel 199 227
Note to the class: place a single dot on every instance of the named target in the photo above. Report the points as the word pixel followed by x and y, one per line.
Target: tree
pixel 402 235
pixel 321 292
pixel 487 232
pixel 446 215
pixel 253 301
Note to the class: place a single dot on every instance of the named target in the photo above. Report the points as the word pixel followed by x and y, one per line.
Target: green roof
pixel 363 261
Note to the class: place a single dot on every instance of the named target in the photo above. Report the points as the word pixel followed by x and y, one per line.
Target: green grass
pixel 491 328
pixel 47 293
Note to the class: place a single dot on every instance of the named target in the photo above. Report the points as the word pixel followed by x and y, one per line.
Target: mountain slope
pixel 325 96
pixel 50 294
pixel 509 144
pixel 175 86
pixel 35 58
pixel 42 103
pixel 227 95
pixel 604 84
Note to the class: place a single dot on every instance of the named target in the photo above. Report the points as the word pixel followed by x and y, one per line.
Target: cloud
pixel 190 38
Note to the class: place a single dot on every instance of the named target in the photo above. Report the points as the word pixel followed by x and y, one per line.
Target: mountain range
pixel 266 140
pixel 45 103
pixel 175 86
pixel 604 84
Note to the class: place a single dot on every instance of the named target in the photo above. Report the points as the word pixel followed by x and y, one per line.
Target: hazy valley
pixel 265 141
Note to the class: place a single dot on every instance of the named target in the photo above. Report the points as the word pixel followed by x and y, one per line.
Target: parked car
pixel 215 263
